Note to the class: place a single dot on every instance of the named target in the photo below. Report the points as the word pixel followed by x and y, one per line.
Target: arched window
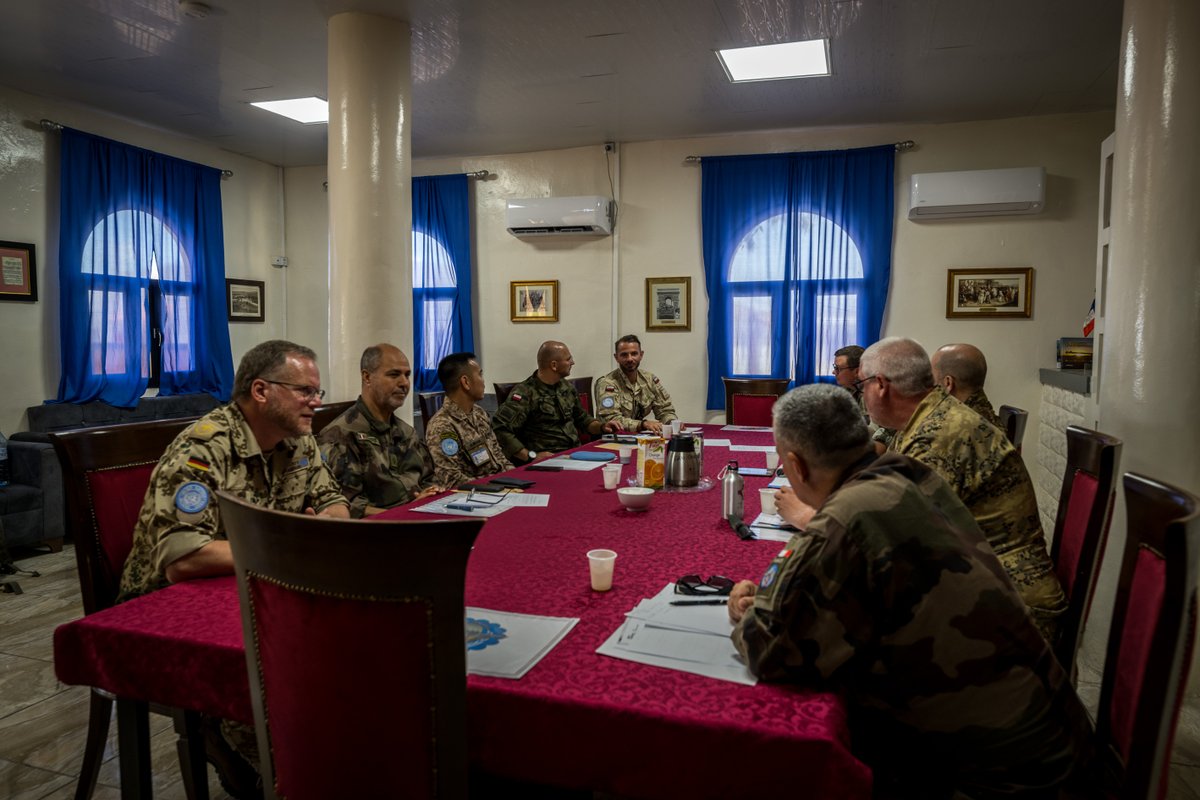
pixel 810 270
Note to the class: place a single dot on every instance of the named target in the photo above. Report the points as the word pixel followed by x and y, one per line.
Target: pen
pixel 720 602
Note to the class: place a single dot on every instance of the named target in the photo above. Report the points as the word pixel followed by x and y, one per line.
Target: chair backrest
pixel 583 387
pixel 1151 638
pixel 502 391
pixel 355 650
pixel 1081 528
pixel 748 401
pixel 1012 421
pixel 106 472
pixel 429 403
pixel 328 413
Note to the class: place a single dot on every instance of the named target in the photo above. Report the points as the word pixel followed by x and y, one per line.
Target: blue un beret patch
pixel 450 447
pixel 192 498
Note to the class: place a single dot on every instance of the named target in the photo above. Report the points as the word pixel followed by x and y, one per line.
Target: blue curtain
pixel 441 274
pixel 797 259
pixel 141 245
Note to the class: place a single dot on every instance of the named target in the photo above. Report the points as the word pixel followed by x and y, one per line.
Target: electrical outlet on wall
pixel 279 261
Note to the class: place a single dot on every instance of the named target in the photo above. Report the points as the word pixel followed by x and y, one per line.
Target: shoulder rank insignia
pixel 203 431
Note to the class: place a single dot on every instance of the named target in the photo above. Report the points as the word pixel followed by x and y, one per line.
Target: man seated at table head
pixel 631 395
pixel 375 456
pixel 460 436
pixel 260 447
pixel 961 370
pixel 543 414
pixel 971 455
pixel 892 597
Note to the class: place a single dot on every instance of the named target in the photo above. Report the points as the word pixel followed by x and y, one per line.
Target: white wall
pixel 29 197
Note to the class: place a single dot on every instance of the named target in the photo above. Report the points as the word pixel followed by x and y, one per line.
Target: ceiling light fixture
pixel 772 62
pixel 309 110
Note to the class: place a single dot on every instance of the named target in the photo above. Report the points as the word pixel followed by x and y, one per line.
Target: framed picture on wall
pixel 997 293
pixel 244 300
pixel 534 301
pixel 18 272
pixel 668 304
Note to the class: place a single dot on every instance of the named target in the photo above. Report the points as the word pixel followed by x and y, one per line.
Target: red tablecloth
pixel 577 719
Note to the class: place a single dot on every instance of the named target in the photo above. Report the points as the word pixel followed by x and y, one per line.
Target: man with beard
pixel 961 370
pixel 631 395
pixel 260 447
pixel 375 456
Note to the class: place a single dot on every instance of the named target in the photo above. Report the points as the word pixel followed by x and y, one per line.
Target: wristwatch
pixel 532 454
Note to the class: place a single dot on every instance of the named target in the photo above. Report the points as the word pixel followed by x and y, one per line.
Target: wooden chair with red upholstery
pixel 328 413
pixel 355 651
pixel 1151 638
pixel 1081 528
pixel 106 472
pixel 1012 422
pixel 748 401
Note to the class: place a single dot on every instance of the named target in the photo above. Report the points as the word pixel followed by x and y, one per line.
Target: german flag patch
pixel 198 464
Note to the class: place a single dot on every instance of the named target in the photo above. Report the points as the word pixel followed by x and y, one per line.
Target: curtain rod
pixel 907 144
pixel 55 127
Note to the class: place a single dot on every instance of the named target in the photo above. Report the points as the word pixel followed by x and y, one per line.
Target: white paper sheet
pixel 658 611
pixel 752 448
pixel 508 644
pixel 748 428
pixel 573 464
pixel 484 508
pixel 779 482
pixel 717 442
pixel 771 527
pixel 731 670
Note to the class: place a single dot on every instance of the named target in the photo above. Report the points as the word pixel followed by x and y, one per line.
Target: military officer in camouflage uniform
pixel 375 456
pixel 961 370
pixel 845 372
pixel 259 447
pixel 630 395
pixel 975 458
pixel 459 436
pixel 542 413
pixel 892 598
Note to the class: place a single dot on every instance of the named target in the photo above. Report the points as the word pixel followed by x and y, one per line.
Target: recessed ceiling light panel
pixel 772 62
pixel 309 110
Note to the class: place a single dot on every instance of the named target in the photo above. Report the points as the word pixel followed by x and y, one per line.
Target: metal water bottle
pixel 732 500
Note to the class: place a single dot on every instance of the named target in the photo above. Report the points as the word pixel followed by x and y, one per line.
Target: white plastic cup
pixel 600 565
pixel 772 460
pixel 767 498
pixel 612 475
pixel 626 453
pixel 676 426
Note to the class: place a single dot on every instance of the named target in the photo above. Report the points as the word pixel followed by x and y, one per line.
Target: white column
pixel 370 196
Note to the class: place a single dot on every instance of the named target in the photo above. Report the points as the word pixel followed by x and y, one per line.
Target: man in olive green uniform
pixel 892 597
pixel 630 395
pixel 460 436
pixel 845 372
pixel 975 458
pixel 259 447
pixel 961 370
pixel 375 456
pixel 542 413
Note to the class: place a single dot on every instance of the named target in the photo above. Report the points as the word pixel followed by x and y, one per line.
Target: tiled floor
pixel 43 723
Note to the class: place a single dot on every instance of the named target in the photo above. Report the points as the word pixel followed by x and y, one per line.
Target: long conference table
pixel 578 719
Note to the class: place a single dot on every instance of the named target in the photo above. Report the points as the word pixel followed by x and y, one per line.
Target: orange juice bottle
pixel 652 459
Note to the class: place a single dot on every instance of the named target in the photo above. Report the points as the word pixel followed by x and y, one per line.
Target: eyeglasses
pixel 837 369
pixel 860 386
pixel 694 584
pixel 307 392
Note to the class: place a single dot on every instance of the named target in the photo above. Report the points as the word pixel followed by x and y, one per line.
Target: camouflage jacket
pixel 629 405
pixel 381 464
pixel 990 478
pixel 980 404
pixel 540 417
pixel 463 445
pixel 893 597
pixel 218 451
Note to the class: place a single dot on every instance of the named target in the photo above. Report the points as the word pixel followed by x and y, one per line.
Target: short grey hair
pixel 902 361
pixel 263 360
pixel 822 423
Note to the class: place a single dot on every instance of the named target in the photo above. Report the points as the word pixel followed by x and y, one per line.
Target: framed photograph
pixel 1004 292
pixel 668 304
pixel 534 301
pixel 244 300
pixel 18 272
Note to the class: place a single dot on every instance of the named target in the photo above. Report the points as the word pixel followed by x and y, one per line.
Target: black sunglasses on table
pixel 714 585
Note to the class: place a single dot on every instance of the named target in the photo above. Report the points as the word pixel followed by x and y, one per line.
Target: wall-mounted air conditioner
pixel 978 193
pixel 560 216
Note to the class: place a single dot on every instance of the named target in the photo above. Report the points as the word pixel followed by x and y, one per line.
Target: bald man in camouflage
pixel 961 370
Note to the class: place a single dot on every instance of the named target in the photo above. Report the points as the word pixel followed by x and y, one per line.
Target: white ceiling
pixel 502 76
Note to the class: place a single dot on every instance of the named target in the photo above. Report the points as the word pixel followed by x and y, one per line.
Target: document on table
pixel 691 639
pixel 718 443
pixel 573 464
pixel 747 428
pixel 779 482
pixel 504 644
pixel 490 506
pixel 773 528
pixel 752 448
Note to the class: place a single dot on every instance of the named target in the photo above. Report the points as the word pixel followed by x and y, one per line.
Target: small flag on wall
pixel 1090 322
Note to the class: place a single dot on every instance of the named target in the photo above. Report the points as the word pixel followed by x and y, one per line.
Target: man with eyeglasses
pixel 891 598
pixel 375 456
pixel 845 372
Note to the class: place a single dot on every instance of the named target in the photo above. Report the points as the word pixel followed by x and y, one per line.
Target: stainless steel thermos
pixel 732 499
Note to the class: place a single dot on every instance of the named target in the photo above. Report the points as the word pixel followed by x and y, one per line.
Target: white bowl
pixel 635 498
